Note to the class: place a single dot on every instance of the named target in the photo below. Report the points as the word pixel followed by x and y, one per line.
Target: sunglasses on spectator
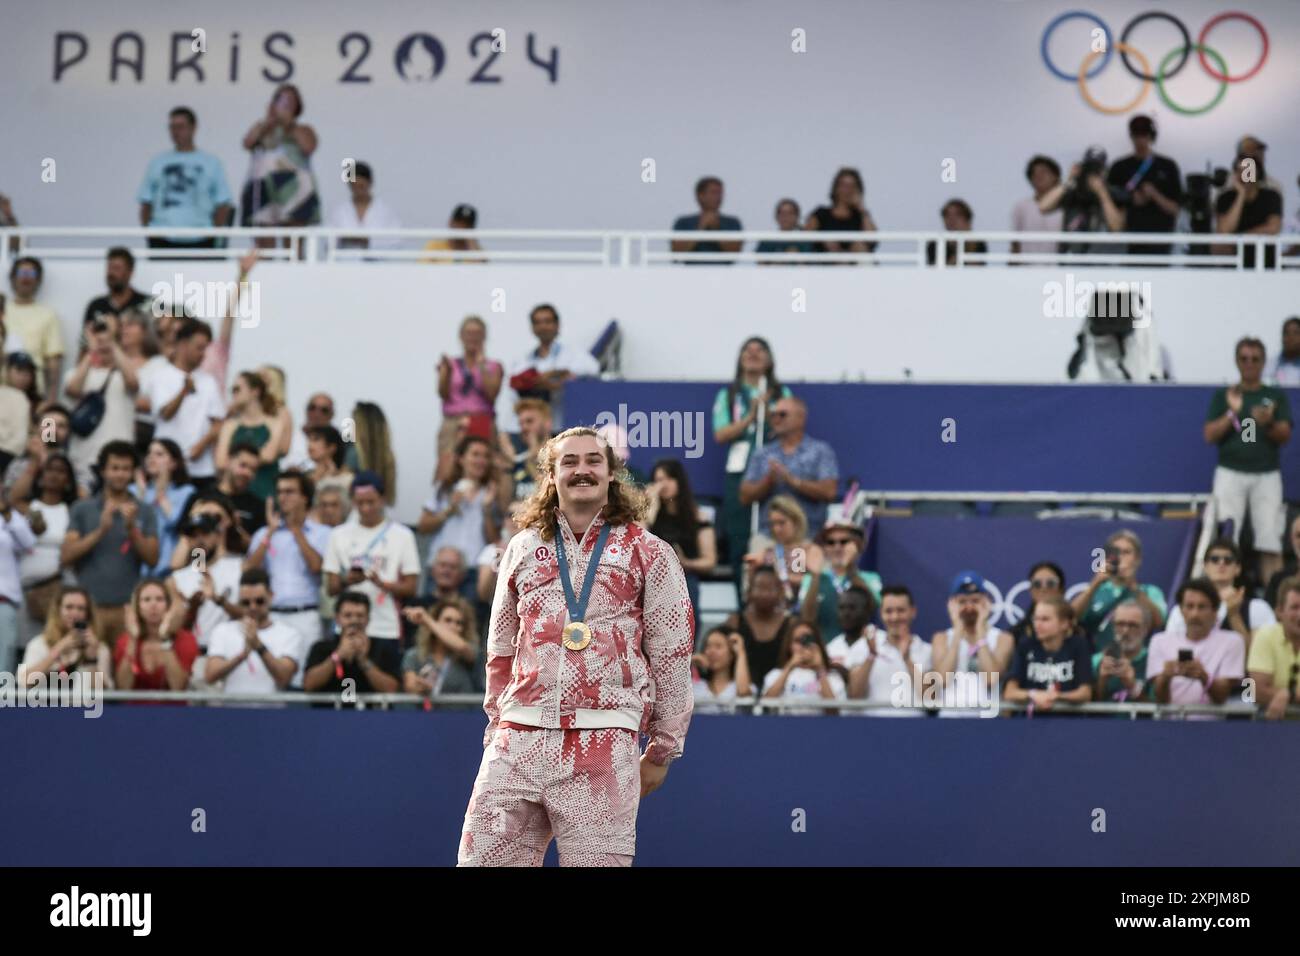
pixel 1221 559
pixel 777 414
pixel 314 407
pixel 253 602
pixel 1044 583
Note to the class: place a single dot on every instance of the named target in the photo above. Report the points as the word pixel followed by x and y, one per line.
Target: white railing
pixel 621 248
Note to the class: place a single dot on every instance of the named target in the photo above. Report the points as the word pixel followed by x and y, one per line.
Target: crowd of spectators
pixel 169 525
pixel 1141 192
pixel 169 531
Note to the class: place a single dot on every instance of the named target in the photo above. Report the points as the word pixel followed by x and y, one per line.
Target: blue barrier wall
pixel 329 788
pixel 1130 438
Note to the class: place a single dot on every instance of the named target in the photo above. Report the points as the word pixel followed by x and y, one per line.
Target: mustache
pixel 582 480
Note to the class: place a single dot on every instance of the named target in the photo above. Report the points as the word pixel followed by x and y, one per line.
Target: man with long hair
pixel 589 644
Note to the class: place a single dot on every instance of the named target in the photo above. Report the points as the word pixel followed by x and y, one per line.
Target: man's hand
pixel 1194 670
pixel 1233 397
pixel 272 517
pixel 355 575
pixel 1232 599
pixel 954 615
pixel 251 640
pixel 1276 706
pixel 1263 415
pixel 106 517
pixel 189 385
pixel 128 510
pixel 652 776
pixel 777 471
pixel 709 220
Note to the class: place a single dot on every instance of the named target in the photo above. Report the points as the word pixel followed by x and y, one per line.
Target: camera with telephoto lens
pixel 1199 200
pixel 1078 195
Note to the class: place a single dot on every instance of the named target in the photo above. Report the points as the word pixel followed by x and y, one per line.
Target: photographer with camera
pixel 69 644
pixel 1148 187
pixel 1115 583
pixel 1085 201
pixel 104 384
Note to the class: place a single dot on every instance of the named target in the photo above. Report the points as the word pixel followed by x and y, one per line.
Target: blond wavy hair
pixel 626 502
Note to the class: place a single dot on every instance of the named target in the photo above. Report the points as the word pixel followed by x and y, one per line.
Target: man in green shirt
pixel 1250 422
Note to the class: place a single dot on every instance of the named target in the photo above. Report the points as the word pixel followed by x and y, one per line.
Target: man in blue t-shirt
pixel 184 187
pixel 708 193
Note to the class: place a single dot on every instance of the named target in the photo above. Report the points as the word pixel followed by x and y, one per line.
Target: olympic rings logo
pixel 1164 71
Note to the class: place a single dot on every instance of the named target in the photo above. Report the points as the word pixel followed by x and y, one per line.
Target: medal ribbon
pixel 578 606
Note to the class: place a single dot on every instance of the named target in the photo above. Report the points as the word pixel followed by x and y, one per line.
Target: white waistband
pixel 583 718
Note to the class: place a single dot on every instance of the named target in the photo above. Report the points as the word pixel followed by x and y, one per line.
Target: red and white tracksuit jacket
pixel 634 674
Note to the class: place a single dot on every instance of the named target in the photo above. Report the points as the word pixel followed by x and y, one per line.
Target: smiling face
pixel 898 613
pixel 582 472
pixel 475 460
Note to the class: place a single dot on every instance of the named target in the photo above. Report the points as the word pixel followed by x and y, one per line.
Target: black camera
pixel 204 523
pixel 1093 162
pixel 1198 198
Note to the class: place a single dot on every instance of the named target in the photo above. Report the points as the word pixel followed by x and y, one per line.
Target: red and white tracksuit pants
pixel 581 787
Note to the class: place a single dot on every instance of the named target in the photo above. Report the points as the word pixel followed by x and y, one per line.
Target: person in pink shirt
pixel 468 385
pixel 1205 665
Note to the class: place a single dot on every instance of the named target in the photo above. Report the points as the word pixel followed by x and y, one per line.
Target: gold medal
pixel 576 636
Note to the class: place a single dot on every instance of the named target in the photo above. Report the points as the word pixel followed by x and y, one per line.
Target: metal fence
pixel 739 706
pixel 632 248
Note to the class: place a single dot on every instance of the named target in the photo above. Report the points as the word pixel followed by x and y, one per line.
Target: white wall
pixel 375 331
pixel 891 87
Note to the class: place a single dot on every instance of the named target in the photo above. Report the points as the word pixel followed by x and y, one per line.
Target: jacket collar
pixel 562 524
